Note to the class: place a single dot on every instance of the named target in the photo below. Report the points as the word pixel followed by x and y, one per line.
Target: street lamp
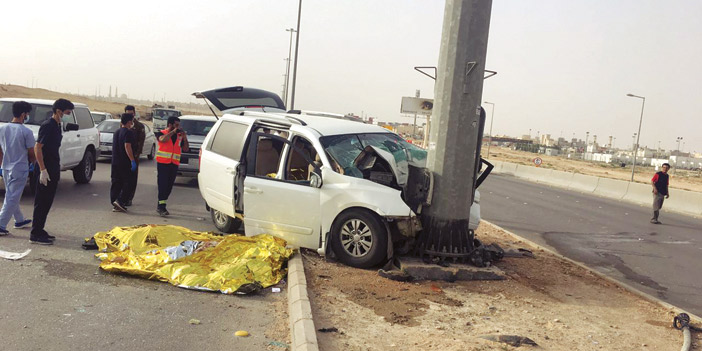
pixel 638 135
pixel 287 70
pixel 677 154
pixel 491 119
pixel 297 46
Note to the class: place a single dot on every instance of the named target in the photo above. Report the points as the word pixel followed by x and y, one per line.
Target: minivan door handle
pixel 250 190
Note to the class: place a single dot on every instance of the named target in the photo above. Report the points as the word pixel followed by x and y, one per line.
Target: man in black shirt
pixel 47 154
pixel 123 164
pixel 660 191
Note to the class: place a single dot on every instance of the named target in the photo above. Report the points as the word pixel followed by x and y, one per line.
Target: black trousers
pixel 121 183
pixel 133 180
pixel 43 200
pixel 166 177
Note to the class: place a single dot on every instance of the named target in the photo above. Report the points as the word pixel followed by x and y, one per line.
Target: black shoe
pixel 4 232
pixel 118 206
pixel 44 240
pixel 162 212
pixel 51 237
pixel 90 244
pixel 128 203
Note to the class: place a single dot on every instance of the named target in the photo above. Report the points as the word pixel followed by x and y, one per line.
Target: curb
pixel 623 285
pixel 304 334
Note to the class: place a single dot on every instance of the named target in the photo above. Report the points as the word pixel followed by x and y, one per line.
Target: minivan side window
pixel 229 140
pixel 297 168
pixel 83 117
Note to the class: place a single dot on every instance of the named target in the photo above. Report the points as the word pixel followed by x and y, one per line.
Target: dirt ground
pixel 115 108
pixel 683 179
pixel 558 305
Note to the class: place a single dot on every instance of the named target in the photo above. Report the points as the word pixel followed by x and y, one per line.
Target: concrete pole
pixel 454 137
pixel 297 46
pixel 287 69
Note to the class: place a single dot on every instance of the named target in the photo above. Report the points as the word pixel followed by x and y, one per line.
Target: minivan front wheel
pixel 223 222
pixel 359 239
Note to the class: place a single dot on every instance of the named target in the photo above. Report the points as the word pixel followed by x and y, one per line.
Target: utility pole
pixel 455 134
pixel 297 46
pixel 492 117
pixel 287 70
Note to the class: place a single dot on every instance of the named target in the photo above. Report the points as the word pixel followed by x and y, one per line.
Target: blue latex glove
pixel 133 166
pixel 0 172
pixel 31 167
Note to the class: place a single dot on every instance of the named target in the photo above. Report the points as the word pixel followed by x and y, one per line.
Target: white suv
pixel 80 137
pixel 317 181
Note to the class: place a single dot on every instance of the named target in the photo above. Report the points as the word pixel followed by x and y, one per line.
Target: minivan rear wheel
pixel 151 154
pixel 359 239
pixel 224 222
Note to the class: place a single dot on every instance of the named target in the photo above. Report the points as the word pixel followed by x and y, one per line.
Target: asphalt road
pixel 613 237
pixel 57 298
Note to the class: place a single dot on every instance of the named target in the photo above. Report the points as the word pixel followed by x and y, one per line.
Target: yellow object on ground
pixel 241 333
pixel 194 260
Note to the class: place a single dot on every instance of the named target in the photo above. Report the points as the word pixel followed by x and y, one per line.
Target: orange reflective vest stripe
pixel 169 152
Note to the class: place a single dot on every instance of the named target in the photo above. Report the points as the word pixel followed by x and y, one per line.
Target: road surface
pixel 613 237
pixel 56 298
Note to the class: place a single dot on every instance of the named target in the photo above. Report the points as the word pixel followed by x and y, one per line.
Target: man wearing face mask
pixel 49 161
pixel 17 157
pixel 137 146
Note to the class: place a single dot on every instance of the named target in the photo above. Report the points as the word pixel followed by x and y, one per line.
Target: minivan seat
pixel 267 158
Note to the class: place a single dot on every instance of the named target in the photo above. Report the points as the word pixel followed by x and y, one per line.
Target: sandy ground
pixel 558 305
pixel 115 108
pixel 683 179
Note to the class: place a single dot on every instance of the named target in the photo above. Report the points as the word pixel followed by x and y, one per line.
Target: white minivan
pixel 313 179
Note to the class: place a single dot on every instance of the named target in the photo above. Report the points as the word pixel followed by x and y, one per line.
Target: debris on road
pixel 14 255
pixel 194 260
pixel 328 330
pixel 512 340
pixel 194 321
pixel 242 333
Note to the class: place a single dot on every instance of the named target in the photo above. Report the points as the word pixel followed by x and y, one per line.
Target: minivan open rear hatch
pixel 241 98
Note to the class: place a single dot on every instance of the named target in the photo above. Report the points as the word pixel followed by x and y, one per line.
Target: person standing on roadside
pixel 171 142
pixel 137 148
pixel 17 158
pixel 660 183
pixel 123 163
pixel 47 153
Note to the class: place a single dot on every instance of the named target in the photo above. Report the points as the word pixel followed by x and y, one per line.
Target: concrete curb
pixel 304 334
pixel 625 286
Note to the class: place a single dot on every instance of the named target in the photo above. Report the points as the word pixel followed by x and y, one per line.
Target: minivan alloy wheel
pixel 356 237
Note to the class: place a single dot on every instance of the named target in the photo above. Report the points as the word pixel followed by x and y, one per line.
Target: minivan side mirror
pixel 71 127
pixel 316 179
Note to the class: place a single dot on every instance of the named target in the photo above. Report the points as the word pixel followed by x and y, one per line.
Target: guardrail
pixel 687 202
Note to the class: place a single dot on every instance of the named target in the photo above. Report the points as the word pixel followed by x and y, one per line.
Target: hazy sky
pixel 563 67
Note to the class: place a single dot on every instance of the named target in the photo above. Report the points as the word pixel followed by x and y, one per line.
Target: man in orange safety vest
pixel 171 142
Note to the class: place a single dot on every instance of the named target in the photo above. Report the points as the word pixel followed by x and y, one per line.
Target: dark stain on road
pixel 585 247
pixel 82 272
pixel 629 273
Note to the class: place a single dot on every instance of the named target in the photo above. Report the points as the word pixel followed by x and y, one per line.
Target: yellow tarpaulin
pixel 194 260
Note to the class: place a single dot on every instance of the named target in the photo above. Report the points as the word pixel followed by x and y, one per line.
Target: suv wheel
pixel 83 172
pixel 223 222
pixel 359 239
pixel 151 155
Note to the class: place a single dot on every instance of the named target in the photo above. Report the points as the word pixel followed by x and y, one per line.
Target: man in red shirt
pixel 659 183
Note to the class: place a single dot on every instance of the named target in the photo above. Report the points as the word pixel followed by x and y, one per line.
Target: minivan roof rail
pixel 273 115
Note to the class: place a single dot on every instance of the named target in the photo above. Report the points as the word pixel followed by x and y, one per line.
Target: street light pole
pixel 297 46
pixel 638 135
pixel 287 70
pixel 492 117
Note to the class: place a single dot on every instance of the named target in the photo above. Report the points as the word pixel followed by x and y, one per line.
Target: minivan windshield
pixel 193 127
pixel 37 116
pixel 345 148
pixel 108 126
